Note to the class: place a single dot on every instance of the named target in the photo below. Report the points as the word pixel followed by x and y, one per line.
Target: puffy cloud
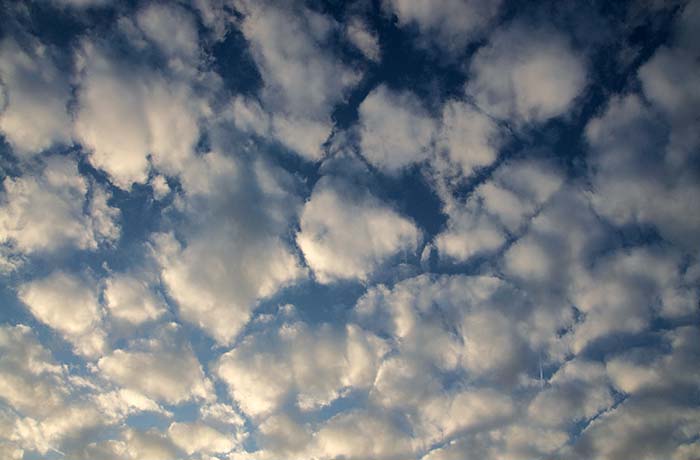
pixel 363 39
pixel 642 156
pixel 347 233
pixel 561 324
pixel 66 423
pixel 526 74
pixel 450 24
pixel 118 404
pixel 667 81
pixel 28 373
pixel 646 372
pixel 578 391
pixel 174 373
pixel 361 434
pixel 200 438
pixel 466 410
pixel 70 305
pixel 449 323
pixel 34 95
pixel 235 256
pixel 469 137
pixel 625 291
pixel 558 241
pixel 395 130
pixel 130 298
pixel 647 429
pixel 172 29
pixel 53 209
pixel 127 114
pixel 303 78
pixel 497 208
pixel 160 187
pixel 655 191
pixel 311 366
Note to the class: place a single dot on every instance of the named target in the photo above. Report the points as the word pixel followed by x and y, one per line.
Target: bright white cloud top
pixel 310 230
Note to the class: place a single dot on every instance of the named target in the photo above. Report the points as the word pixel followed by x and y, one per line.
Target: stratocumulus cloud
pixel 372 230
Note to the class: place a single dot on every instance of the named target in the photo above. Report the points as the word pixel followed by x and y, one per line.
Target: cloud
pixel 469 138
pixel 643 172
pixel 667 82
pixel 28 373
pixel 200 438
pixel 497 208
pixel 347 233
pixel 526 74
pixel 235 254
pixel 649 424
pixel 223 299
pixel 174 373
pixel 172 29
pixel 395 130
pixel 449 24
pixel 34 96
pixel 303 78
pixel 624 291
pixel 311 366
pixel 363 39
pixel 127 114
pixel 578 391
pixel 128 297
pixel 360 434
pixel 70 305
pixel 54 208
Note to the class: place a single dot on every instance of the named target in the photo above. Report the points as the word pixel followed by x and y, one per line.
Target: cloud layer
pixel 240 230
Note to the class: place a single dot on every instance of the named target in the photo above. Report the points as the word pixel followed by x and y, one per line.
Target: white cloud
pixel 667 80
pixel 363 39
pixel 171 28
pixel 450 24
pixel 160 187
pixel 130 298
pixel 303 79
pixel 642 160
pixel 470 138
pixel 54 209
pixel 35 97
pixel 28 373
pixel 578 391
pixel 347 233
pixel 360 434
pixel 70 305
pixel 497 208
pixel 454 322
pixel 470 409
pixel 624 291
pixel 395 130
pixel 249 116
pixel 149 444
pixel 235 256
pixel 526 74
pixel 174 373
pixel 310 365
pixel 126 114
pixel 65 423
pixel 200 438
pixel 645 429
pixel 302 135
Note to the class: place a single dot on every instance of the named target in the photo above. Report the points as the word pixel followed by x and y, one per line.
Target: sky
pixel 369 230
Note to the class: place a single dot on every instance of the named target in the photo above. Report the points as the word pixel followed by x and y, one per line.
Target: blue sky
pixel 390 229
